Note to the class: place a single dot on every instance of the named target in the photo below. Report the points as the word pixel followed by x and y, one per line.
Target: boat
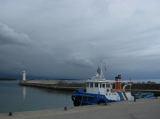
pixel 99 90
pixel 142 95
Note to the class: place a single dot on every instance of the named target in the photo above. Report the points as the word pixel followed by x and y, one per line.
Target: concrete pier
pixel 141 109
pixel 53 84
pixel 63 85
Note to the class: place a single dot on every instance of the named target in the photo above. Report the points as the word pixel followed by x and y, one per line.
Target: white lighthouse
pixel 24 75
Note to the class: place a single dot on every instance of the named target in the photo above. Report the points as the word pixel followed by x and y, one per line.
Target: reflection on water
pixel 44 98
pixel 16 98
pixel 49 91
pixel 24 92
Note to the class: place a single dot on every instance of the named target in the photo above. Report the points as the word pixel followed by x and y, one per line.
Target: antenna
pixel 100 69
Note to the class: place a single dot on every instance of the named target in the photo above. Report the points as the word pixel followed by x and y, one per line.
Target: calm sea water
pixel 16 98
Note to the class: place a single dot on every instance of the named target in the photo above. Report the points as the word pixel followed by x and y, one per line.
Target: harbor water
pixel 16 98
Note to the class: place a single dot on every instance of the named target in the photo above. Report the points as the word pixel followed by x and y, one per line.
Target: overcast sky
pixel 68 38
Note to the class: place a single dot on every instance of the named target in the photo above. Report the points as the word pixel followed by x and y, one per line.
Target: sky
pixel 68 38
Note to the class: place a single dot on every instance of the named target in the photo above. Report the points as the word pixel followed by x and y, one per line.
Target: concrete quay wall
pixel 141 109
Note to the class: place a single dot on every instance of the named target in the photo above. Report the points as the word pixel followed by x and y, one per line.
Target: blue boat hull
pixel 81 98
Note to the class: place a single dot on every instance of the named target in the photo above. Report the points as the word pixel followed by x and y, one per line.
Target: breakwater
pixel 53 84
pixel 63 85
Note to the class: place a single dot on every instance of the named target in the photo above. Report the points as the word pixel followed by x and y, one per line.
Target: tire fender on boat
pixel 101 101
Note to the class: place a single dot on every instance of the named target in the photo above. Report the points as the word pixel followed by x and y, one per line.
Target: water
pixel 16 98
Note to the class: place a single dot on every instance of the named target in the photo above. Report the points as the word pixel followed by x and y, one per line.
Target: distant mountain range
pixel 10 76
pixel 29 77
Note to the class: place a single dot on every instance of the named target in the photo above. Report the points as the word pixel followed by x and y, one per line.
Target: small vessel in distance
pixel 99 90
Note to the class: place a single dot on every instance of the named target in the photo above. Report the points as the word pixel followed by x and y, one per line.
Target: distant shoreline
pixel 7 79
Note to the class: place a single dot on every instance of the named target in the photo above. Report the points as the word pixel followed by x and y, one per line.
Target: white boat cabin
pixel 99 85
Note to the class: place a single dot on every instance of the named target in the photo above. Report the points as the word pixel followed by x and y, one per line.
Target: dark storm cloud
pixel 80 61
pixel 9 36
pixel 68 38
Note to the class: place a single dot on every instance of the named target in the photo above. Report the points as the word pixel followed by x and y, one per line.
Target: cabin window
pixel 87 84
pixel 103 85
pixel 108 85
pixel 96 84
pixel 91 85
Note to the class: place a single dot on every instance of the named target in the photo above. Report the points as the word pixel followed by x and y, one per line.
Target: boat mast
pixel 99 70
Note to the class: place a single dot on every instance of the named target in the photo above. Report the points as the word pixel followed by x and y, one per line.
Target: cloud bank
pixel 67 39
